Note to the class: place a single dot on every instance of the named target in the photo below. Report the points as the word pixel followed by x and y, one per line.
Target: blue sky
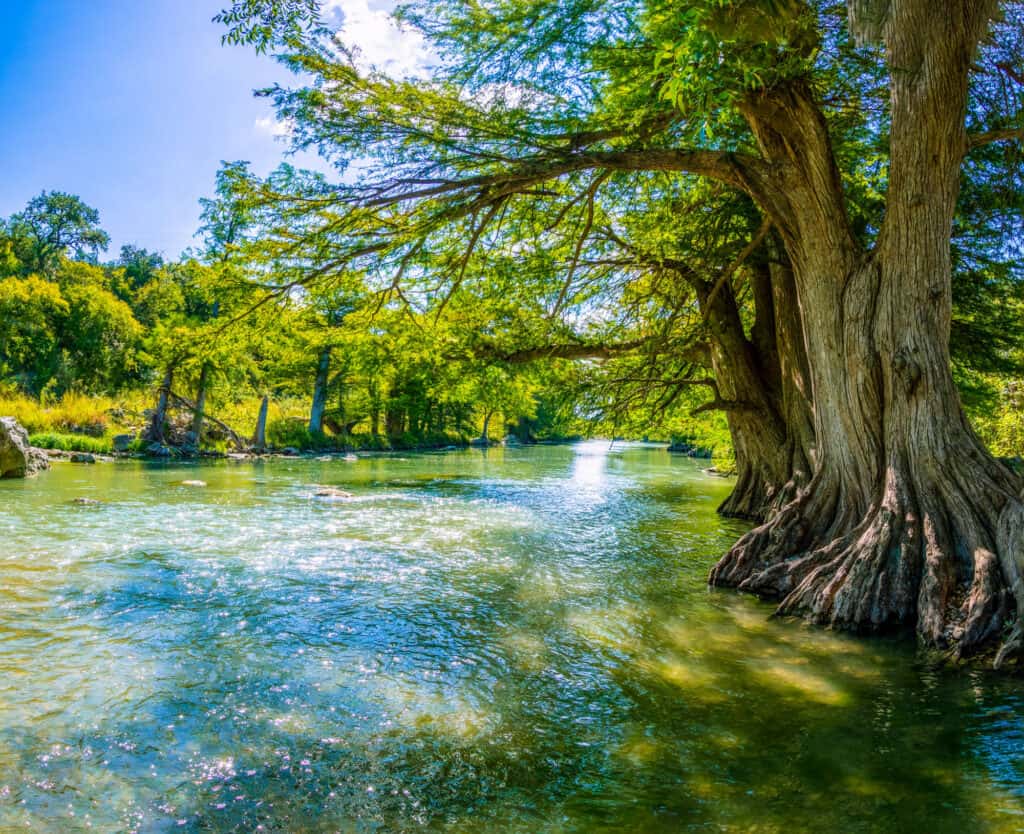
pixel 132 105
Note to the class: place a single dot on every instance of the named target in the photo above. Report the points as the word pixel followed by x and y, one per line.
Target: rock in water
pixel 333 494
pixel 82 457
pixel 17 457
pixel 194 483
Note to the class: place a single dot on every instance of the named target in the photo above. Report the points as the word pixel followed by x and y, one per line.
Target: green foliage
pixel 293 433
pixel 71 443
pixel 33 317
pixel 52 225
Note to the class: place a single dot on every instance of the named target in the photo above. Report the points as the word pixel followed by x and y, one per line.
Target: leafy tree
pixel 140 265
pixel 33 315
pixel 52 225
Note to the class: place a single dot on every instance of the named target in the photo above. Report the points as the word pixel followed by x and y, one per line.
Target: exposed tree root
pixel 946 558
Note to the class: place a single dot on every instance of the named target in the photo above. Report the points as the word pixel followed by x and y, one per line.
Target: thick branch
pixel 580 350
pixel 978 140
pixel 729 168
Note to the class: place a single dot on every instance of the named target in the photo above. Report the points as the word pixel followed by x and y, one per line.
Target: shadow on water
pixel 524 645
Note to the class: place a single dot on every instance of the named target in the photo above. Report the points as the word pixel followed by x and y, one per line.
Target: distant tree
pixel 52 225
pixel 140 265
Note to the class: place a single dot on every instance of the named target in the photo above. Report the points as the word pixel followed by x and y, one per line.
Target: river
pixel 516 640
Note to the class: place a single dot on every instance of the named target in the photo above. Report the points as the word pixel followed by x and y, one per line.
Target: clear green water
pixel 510 641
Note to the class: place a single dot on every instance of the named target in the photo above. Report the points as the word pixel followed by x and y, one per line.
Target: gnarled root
pixel 947 559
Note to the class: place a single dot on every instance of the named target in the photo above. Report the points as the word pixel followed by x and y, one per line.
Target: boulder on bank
pixel 17 458
pixel 684 447
pixel 122 442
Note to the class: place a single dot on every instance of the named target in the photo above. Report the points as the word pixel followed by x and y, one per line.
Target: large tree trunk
pixel 908 521
pixel 316 411
pixel 762 386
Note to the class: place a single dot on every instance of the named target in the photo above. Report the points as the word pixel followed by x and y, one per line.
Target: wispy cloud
pixel 378 41
pixel 272 127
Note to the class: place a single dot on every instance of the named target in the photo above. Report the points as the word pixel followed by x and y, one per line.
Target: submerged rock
pixel 333 494
pixel 87 502
pixel 193 483
pixel 17 457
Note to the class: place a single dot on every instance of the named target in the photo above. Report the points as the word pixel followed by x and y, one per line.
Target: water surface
pixel 516 640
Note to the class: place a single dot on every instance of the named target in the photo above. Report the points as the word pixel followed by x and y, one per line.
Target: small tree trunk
pixel 259 436
pixel 487 423
pixel 156 429
pixel 197 417
pixel 394 421
pixel 316 412
pixel 374 392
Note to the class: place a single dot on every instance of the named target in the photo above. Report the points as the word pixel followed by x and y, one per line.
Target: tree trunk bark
pixel 155 433
pixel 316 411
pixel 487 423
pixel 394 420
pixel 907 521
pixel 763 387
pixel 197 417
pixel 374 392
pixel 259 436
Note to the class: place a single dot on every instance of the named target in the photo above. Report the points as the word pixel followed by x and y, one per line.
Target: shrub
pixel 70 443
pixel 292 432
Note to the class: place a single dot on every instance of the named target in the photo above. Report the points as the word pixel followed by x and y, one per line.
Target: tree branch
pixel 978 140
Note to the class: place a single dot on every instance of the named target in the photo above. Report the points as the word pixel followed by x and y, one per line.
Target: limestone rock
pixel 17 457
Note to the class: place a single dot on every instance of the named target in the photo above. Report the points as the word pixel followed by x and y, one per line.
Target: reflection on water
pixel 515 640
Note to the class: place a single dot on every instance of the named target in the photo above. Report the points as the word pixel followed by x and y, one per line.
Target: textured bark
pixel 316 411
pixel 259 436
pixel 762 383
pixel 394 420
pixel 908 521
pixel 155 430
pixel 197 416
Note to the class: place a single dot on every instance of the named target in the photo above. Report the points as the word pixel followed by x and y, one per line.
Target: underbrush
pixel 293 433
pixel 73 413
pixel 71 443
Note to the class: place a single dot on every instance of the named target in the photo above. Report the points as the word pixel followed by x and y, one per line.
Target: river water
pixel 516 640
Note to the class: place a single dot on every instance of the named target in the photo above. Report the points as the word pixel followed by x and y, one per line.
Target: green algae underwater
pixel 502 640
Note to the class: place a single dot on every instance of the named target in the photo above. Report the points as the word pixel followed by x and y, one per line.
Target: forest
pixel 785 235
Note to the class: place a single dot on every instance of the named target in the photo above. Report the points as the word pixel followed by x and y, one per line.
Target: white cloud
pixel 378 41
pixel 272 127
